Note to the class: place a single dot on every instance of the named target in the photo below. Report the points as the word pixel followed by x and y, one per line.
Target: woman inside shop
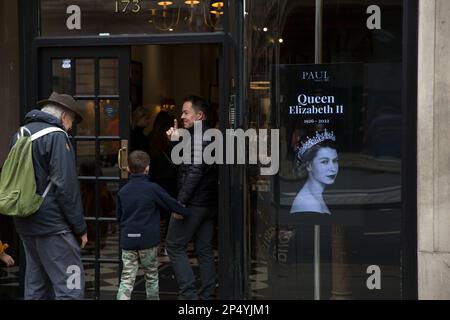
pixel 138 138
pixel 319 157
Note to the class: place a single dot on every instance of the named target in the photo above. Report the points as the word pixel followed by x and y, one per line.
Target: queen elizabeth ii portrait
pixel 319 157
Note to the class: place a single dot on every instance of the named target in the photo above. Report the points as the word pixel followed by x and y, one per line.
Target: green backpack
pixel 18 197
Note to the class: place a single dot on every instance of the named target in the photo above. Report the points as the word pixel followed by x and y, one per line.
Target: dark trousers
pixel 53 267
pixel 199 226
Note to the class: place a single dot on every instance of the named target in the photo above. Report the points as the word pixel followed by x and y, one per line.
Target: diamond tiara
pixel 310 142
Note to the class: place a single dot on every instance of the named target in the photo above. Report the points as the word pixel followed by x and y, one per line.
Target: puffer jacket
pixel 53 159
pixel 197 183
pixel 139 211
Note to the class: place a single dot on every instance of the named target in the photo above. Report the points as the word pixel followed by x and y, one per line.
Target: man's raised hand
pixel 173 134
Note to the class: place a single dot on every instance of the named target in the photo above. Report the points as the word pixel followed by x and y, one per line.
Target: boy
pixel 139 204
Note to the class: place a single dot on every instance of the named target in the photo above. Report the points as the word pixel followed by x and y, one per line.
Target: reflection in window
pixel 89 250
pixel 109 117
pixel 109 76
pixel 87 126
pixel 109 246
pixel 133 17
pixel 85 157
pixel 365 199
pixel 61 75
pixel 107 194
pixel 85 77
pixel 108 158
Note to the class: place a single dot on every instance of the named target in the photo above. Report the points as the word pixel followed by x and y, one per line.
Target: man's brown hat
pixel 65 101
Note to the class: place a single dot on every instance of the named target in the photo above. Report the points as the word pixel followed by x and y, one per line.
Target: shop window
pixel 328 218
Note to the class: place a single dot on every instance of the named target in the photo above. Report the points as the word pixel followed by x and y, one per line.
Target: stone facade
pixel 433 140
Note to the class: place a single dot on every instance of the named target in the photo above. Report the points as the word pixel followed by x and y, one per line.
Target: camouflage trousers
pixel 149 262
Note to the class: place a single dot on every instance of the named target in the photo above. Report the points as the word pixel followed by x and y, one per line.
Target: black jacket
pixel 139 204
pixel 197 183
pixel 138 140
pixel 53 159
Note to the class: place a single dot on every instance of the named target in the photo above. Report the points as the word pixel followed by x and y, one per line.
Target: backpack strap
pixel 47 189
pixel 46 131
pixel 21 132
pixel 42 133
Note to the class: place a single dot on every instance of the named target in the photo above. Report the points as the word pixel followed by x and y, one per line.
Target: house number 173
pixel 127 5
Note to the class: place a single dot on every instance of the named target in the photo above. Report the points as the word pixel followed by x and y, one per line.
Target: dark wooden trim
pixel 28 21
pixel 122 40
pixel 28 28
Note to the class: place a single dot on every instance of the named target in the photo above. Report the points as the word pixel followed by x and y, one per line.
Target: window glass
pixel 64 18
pixel 87 126
pixel 61 75
pixel 109 76
pixel 109 117
pixel 331 217
pixel 85 77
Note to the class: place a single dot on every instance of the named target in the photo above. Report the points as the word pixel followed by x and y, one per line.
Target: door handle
pixel 122 159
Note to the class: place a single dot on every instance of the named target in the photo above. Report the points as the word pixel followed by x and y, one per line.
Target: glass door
pixel 100 78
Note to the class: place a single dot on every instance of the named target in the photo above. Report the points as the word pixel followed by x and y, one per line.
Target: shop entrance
pixel 117 84
pixel 161 77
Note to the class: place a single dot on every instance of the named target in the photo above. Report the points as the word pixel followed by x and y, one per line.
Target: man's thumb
pixel 175 123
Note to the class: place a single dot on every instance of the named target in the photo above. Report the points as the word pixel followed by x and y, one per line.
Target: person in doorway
pixel 52 237
pixel 197 189
pixel 162 170
pixel 319 156
pixel 138 139
pixel 139 205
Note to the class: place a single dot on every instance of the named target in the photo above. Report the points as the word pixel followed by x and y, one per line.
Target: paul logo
pixel 318 76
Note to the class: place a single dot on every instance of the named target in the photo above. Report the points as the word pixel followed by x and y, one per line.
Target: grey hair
pixel 56 111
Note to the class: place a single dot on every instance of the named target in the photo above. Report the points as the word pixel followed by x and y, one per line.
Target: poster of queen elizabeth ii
pixel 320 115
pixel 319 157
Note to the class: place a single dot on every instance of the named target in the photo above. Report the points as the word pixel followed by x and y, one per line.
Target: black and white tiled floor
pixel 109 275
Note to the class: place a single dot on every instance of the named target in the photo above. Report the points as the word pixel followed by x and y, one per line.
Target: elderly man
pixel 52 237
